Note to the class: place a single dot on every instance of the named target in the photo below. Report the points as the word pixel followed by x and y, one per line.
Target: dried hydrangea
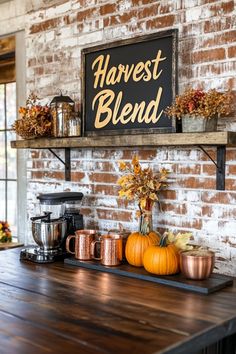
pixel 201 103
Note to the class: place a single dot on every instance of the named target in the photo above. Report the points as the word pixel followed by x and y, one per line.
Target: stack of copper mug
pixel 110 252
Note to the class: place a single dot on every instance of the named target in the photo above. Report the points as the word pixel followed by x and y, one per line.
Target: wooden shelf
pixel 218 139
pixel 171 139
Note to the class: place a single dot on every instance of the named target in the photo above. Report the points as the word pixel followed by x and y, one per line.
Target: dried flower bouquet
pixel 35 120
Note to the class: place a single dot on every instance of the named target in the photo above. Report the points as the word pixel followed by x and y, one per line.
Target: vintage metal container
pixel 198 124
pixel 197 264
pixel 63 109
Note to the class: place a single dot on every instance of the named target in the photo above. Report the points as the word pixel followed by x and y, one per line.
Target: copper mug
pixel 82 246
pixel 110 249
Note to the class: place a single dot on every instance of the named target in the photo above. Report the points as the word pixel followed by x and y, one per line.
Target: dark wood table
pixel 59 308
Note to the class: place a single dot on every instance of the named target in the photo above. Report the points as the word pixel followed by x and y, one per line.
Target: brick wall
pixel 55 34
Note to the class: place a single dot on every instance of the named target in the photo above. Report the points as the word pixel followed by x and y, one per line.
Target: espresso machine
pixel 59 217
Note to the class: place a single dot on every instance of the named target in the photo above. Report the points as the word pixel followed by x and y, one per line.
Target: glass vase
pixel 145 222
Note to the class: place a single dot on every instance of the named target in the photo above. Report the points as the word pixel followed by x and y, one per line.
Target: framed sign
pixel 128 84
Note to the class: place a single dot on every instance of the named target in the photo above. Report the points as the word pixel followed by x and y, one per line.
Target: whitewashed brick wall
pixel 55 35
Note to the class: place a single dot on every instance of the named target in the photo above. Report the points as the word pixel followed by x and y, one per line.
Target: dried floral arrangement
pixel 5 232
pixel 35 120
pixel 141 184
pixel 201 103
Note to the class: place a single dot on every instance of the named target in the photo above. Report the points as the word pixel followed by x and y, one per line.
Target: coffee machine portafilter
pixel 60 216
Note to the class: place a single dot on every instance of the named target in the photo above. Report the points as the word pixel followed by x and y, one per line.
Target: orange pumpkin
pixel 136 245
pixel 162 259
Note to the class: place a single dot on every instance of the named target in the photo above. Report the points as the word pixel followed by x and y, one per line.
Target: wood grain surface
pixel 58 308
pixel 171 139
pixel 214 283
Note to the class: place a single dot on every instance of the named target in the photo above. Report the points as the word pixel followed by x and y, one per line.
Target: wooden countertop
pixel 59 308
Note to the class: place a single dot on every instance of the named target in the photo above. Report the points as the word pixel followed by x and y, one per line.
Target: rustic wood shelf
pixel 218 139
pixel 171 139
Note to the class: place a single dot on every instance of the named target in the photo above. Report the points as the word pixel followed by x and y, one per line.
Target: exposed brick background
pixel 55 33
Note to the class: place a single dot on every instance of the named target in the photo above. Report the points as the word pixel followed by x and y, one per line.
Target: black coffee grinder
pixel 60 217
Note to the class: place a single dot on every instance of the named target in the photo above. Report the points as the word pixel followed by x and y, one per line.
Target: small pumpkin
pixel 136 245
pixel 162 259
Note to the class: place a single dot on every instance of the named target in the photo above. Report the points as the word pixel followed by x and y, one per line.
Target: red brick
pixel 168 194
pixel 160 22
pixel 217 25
pixel 222 38
pixel 230 184
pixel 219 197
pixel 77 176
pixel 107 9
pixel 114 215
pixel 86 211
pixel 165 8
pixel 232 169
pixel 207 210
pixel 45 25
pixel 47 174
pixel 232 52
pixel 189 169
pixel 143 154
pixel 183 223
pixel 39 70
pixel 120 18
pixel 148 11
pixel 105 189
pixel 176 208
pixel 39 164
pixel 210 170
pixel 208 55
pixel 86 14
pixel 231 155
pixel 196 183
pixel 222 8
pixel 97 177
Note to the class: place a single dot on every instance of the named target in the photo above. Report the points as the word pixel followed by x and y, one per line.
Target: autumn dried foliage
pixel 141 184
pixel 35 120
pixel 201 103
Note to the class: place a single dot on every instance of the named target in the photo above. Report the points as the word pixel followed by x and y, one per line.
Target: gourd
pixel 162 259
pixel 136 245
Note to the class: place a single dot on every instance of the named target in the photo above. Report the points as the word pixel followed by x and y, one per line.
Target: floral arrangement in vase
pixel 143 185
pixel 35 120
pixel 195 103
pixel 5 232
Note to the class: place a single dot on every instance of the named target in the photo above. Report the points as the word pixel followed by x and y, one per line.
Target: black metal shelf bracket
pixel 220 165
pixel 66 163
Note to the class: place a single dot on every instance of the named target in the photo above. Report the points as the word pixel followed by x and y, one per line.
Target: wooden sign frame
pixel 126 85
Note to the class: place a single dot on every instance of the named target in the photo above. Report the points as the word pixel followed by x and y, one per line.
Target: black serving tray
pixel 206 286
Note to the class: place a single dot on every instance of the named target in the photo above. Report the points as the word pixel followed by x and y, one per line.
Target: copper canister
pixel 197 264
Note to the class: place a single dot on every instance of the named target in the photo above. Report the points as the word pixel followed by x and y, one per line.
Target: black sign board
pixel 128 84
